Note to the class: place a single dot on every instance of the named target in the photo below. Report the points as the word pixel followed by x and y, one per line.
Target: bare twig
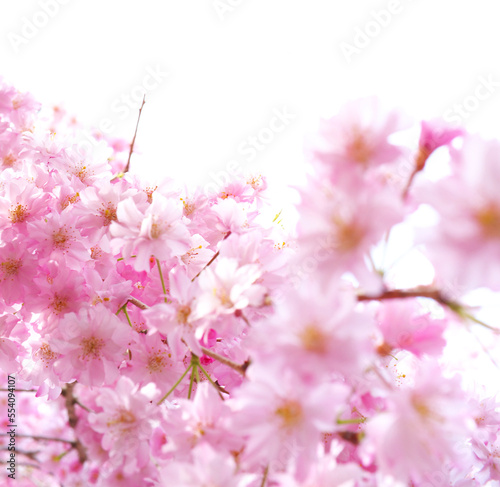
pixel 135 134
pixel 73 419
pixel 240 368
pixel 137 303
pixel 211 260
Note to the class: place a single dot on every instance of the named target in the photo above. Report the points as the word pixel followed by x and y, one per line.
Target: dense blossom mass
pixel 160 336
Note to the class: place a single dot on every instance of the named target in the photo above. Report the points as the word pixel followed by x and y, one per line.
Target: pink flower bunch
pixel 163 337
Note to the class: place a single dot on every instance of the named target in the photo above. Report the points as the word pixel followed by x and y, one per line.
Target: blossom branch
pixel 137 303
pixel 424 292
pixel 240 368
pixel 211 260
pixel 73 419
pixel 135 134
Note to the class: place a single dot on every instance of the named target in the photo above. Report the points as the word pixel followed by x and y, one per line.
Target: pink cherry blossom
pixel 92 345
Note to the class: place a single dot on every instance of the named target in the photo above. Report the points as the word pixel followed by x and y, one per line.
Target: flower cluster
pixel 163 337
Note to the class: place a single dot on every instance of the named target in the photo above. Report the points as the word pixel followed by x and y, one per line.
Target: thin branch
pixel 407 293
pixel 30 454
pixel 41 438
pixel 425 292
pixel 18 390
pixel 211 260
pixel 135 134
pixel 137 303
pixel 73 419
pixel 264 478
pixel 240 368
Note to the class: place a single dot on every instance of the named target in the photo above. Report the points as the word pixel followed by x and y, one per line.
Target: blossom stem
pixel 264 478
pixel 240 368
pixel 217 386
pixel 18 390
pixel 191 381
pixel 434 294
pixel 175 385
pixel 162 281
pixel 351 421
pixel 137 303
pixel 73 420
pixel 211 260
pixel 127 167
pixel 41 438
pixel 127 315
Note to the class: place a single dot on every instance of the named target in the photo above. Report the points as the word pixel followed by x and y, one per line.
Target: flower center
pixel 358 149
pixel 313 339
pixel 11 267
pixel 91 347
pixel 183 313
pixel 45 354
pixel 18 214
pixel 108 213
pixel 290 413
pixel 347 236
pixel 9 160
pixel 60 239
pixel 156 363
pixel 59 303
pixel 489 220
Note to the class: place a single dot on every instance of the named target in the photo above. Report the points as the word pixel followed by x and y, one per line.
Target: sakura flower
pixel 434 134
pixel 59 240
pixel 226 287
pixel 340 227
pixel 92 345
pixel 126 423
pixel 97 208
pixel 419 432
pixel 59 290
pixel 305 331
pixel 463 246
pixel 325 472
pixel 403 327
pixel 176 319
pixel 274 410
pixel 356 140
pixel 159 231
pixel 152 362
pixel 208 467
pixel 18 267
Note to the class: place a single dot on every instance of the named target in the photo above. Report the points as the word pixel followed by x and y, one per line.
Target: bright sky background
pixel 231 66
pixel 233 63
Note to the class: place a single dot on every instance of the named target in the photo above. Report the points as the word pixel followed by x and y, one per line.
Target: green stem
pixel 191 381
pixel 205 373
pixel 128 317
pixel 175 385
pixel 162 281
pixel 351 421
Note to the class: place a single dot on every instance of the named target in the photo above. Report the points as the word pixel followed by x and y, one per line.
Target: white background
pixel 229 68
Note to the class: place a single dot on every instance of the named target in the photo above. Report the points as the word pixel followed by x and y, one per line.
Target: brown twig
pixel 407 293
pixel 41 438
pixel 137 303
pixel 211 260
pixel 73 419
pixel 240 368
pixel 135 134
